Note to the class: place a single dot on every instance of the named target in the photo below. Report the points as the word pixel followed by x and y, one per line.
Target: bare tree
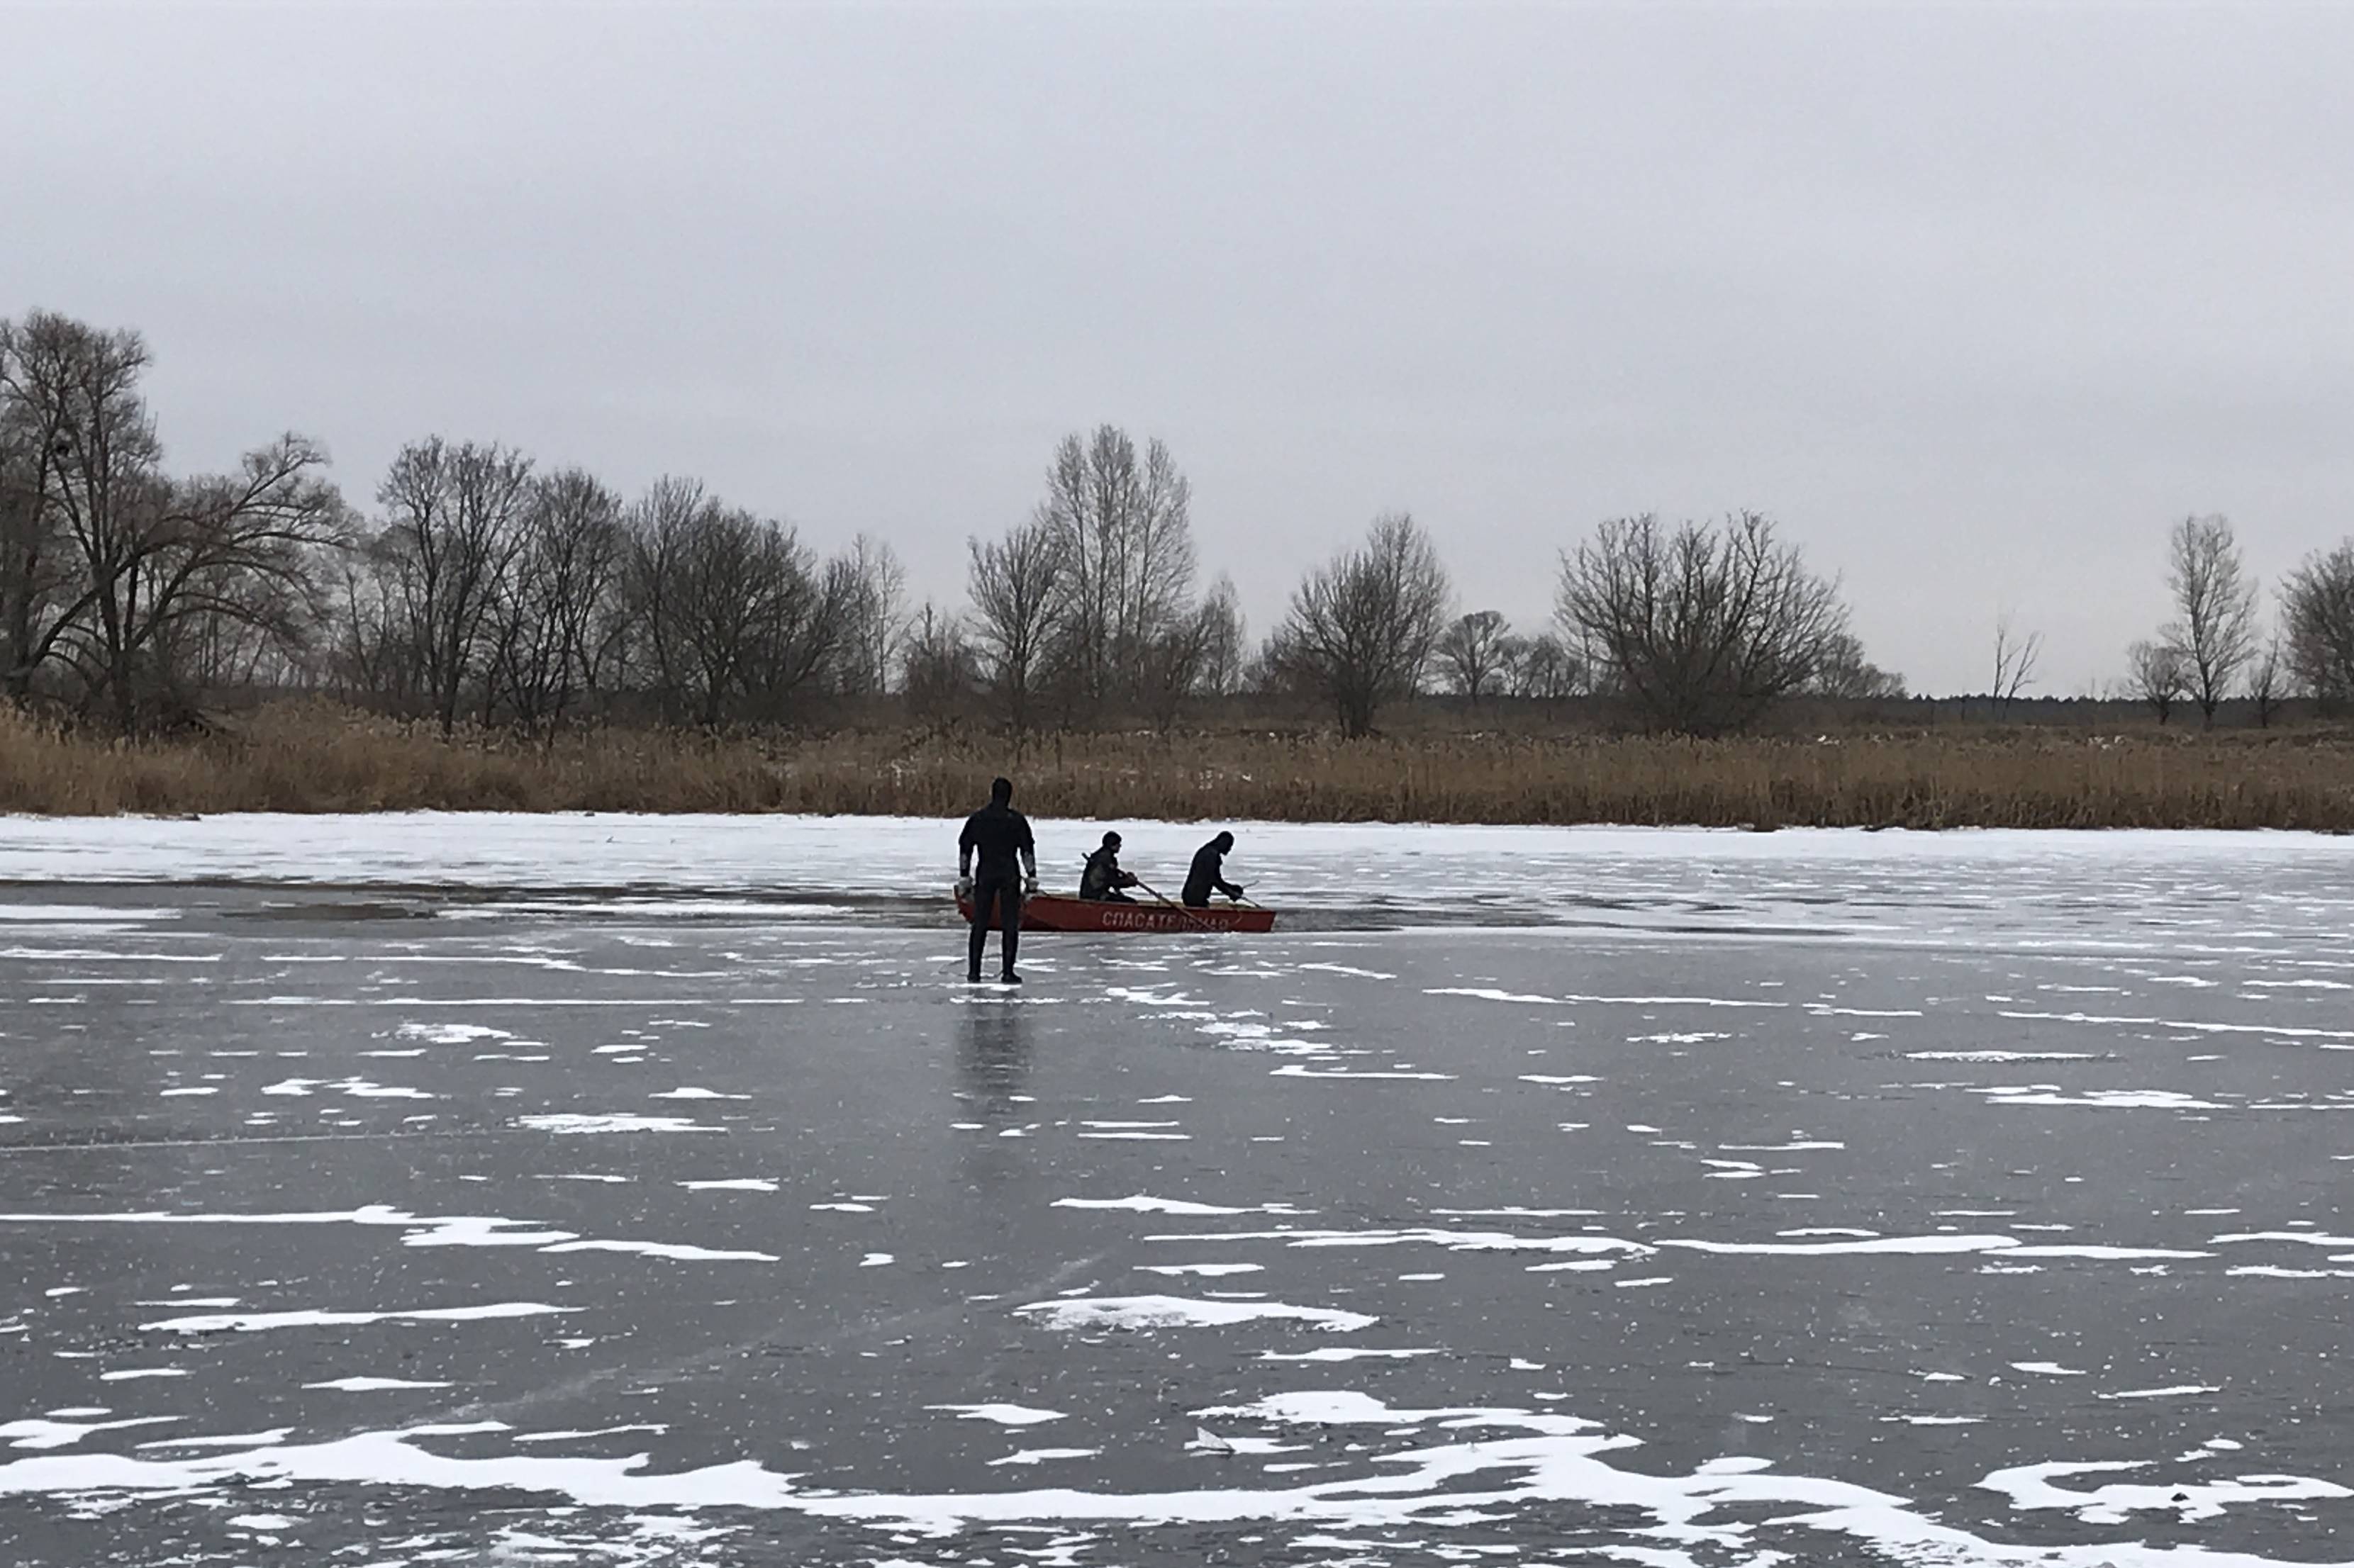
pixel 107 566
pixel 809 616
pixel 2268 675
pixel 939 670
pixel 657 528
pixel 1016 586
pixel 36 595
pixel 556 626
pixel 874 615
pixel 1172 666
pixel 2016 659
pixel 2317 626
pixel 454 525
pixel 737 613
pixel 1225 640
pixel 1475 652
pixel 2215 610
pixel 235 564
pixel 1703 629
pixel 1120 528
pixel 98 494
pixel 1362 630
pixel 1846 675
pixel 1545 670
pixel 370 655
pixel 2157 673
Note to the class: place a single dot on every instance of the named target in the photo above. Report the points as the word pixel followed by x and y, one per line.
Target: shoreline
pixel 309 759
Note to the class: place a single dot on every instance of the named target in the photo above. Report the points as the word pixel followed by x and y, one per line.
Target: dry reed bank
pixel 311 758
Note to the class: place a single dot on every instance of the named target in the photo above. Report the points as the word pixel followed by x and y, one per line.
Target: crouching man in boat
pixel 1103 880
pixel 1208 874
pixel 1000 835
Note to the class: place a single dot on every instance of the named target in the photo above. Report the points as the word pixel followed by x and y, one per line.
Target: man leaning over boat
pixel 1208 874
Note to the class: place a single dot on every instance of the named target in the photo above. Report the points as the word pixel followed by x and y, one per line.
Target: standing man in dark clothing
pixel 1208 873
pixel 1102 881
pixel 1000 835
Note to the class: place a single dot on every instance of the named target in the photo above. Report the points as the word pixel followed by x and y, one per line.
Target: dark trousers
pixel 1003 895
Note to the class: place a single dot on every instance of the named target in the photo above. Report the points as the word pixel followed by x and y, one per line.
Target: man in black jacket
pixel 1001 836
pixel 1208 873
pixel 1103 880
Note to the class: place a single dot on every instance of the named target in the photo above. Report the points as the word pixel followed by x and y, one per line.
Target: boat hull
pixel 1052 912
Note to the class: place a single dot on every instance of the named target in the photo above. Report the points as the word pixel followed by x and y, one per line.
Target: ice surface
pixel 1845 1111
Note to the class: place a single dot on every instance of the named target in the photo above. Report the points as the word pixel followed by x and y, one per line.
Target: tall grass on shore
pixel 315 758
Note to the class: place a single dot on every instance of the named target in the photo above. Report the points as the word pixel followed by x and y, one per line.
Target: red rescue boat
pixel 1050 912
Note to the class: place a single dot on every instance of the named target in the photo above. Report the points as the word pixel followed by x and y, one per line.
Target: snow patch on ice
pixel 1146 1312
pixel 1003 1415
pixel 256 1322
pixel 622 1121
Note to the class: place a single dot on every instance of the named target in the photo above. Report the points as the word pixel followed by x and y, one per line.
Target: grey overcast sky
pixel 1975 299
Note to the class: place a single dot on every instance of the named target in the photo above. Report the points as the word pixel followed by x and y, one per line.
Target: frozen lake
pixel 608 1190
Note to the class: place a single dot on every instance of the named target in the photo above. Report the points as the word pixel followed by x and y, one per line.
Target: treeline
pixel 483 589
